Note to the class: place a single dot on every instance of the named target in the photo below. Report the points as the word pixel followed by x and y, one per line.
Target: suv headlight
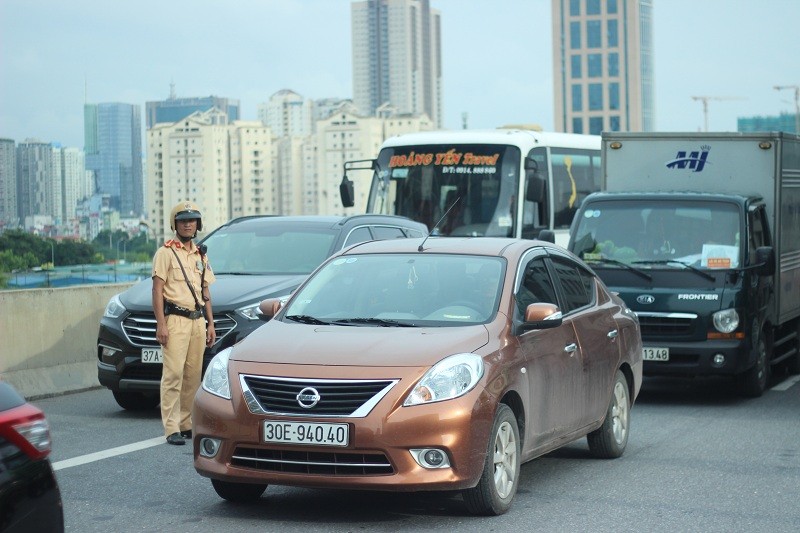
pixel 216 379
pixel 726 321
pixel 450 378
pixel 114 308
pixel 250 312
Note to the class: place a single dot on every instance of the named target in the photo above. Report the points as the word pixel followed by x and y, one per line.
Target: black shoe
pixel 186 433
pixel 176 439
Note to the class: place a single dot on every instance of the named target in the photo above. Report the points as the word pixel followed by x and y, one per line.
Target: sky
pixel 496 55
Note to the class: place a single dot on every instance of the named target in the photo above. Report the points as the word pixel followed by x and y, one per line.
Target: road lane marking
pixel 784 385
pixel 105 454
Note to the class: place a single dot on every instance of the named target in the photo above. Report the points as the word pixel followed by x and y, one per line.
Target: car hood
pixel 303 344
pixel 228 292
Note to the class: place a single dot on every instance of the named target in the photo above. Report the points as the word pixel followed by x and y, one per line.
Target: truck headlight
pixel 450 378
pixel 726 321
pixel 216 379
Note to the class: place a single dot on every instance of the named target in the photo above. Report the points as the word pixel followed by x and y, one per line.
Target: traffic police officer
pixel 184 321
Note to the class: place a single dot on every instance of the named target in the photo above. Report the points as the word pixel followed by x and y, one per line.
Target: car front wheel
pixel 609 440
pixel 238 492
pixel 498 484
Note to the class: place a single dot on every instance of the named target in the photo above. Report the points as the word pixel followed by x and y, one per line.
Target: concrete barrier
pixel 49 337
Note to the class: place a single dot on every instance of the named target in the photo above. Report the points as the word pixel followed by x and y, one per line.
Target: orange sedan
pixel 422 365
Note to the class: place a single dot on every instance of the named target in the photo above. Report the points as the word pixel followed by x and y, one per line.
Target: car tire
pixel 238 492
pixel 500 477
pixel 753 382
pixel 609 440
pixel 136 401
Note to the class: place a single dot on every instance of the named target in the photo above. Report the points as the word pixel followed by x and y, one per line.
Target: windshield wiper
pixel 671 261
pixel 307 319
pixel 235 273
pixel 639 271
pixel 383 322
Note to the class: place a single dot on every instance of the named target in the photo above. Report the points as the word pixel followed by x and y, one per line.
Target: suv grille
pixel 322 463
pixel 140 328
pixel 348 398
pixel 666 324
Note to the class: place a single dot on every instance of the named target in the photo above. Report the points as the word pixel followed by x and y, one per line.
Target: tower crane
pixel 796 89
pixel 705 100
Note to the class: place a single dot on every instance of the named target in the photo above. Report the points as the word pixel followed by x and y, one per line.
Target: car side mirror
pixel 542 316
pixel 269 308
pixel 547 235
pixel 765 260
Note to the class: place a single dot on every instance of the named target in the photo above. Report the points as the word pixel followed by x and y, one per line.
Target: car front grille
pixel 140 328
pixel 335 398
pixel 666 324
pixel 320 463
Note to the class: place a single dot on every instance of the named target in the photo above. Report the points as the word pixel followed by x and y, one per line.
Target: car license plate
pixel 313 433
pixel 655 354
pixel 152 355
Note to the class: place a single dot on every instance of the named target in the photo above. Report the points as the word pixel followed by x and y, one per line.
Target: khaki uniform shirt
pixel 166 267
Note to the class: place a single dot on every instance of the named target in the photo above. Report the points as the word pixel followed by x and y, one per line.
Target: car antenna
pixel 437 224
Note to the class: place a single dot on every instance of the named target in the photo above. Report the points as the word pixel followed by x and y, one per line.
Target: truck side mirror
pixel 346 192
pixel 765 260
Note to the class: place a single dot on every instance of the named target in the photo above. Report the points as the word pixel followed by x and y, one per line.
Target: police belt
pixel 172 309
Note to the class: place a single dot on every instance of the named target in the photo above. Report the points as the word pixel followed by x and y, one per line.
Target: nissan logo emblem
pixel 308 398
pixel 645 299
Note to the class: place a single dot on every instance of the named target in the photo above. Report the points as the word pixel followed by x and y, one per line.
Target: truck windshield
pixel 663 233
pixel 422 182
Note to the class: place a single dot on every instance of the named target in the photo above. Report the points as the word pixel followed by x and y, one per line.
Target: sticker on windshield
pixel 351 260
pixel 591 213
pixel 339 261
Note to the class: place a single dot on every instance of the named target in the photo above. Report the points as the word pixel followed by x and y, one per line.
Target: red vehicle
pixel 413 365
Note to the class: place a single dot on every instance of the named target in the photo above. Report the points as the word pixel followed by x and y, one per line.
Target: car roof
pixel 491 246
pixel 329 221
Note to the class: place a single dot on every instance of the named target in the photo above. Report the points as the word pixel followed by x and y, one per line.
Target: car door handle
pixel 570 348
pixel 613 334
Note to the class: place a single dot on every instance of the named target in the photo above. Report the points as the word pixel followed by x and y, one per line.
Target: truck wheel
pixel 609 440
pixel 753 382
pixel 136 401
pixel 498 484
pixel 793 363
pixel 238 492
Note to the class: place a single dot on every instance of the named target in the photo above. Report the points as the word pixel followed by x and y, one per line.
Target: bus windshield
pixel 477 182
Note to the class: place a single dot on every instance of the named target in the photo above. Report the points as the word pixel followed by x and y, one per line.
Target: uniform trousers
pixel 183 365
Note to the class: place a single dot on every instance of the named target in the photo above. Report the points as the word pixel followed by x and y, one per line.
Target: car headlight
pixel 450 378
pixel 114 307
pixel 250 312
pixel 726 321
pixel 215 380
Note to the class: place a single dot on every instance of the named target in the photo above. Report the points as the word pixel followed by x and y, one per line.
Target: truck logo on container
pixel 645 299
pixel 695 162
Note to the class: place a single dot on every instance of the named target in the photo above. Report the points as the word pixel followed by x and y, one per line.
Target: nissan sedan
pixel 422 365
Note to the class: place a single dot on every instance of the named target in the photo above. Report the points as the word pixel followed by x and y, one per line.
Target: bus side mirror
pixel 535 184
pixel 765 260
pixel 346 192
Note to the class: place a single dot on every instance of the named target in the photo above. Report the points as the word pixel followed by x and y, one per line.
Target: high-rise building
pixel 603 65
pixel 397 57
pixel 174 109
pixel 287 114
pixel 113 146
pixel 225 168
pixel 75 182
pixel 784 122
pixel 9 217
pixel 39 185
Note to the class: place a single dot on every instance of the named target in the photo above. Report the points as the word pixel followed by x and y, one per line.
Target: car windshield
pixel 380 290
pixel 667 235
pixel 264 248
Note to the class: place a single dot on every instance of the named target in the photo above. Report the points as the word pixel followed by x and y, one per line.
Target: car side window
pixel 387 232
pixel 360 234
pixel 536 286
pixel 577 284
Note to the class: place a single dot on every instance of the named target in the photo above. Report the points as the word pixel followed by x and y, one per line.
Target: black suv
pixel 253 258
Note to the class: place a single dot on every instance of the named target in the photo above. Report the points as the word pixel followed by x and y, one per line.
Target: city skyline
pixel 497 64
